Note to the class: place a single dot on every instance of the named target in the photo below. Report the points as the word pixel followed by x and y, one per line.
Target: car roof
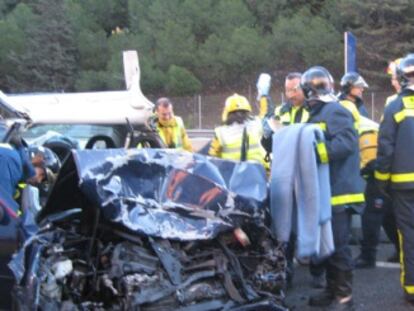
pixel 111 107
pixel 108 107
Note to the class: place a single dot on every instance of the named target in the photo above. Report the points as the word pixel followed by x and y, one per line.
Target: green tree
pixel 49 60
pixel 303 40
pixel 12 32
pixel 181 82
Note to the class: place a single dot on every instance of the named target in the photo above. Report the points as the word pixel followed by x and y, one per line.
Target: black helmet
pixel 405 71
pixel 352 79
pixel 50 160
pixel 316 82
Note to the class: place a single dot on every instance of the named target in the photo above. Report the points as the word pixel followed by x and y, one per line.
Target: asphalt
pixel 374 289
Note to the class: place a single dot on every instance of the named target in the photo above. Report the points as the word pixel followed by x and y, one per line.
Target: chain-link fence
pixel 204 111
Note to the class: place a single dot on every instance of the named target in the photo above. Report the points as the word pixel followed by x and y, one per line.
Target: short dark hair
pixel 164 102
pixel 238 116
pixel 293 75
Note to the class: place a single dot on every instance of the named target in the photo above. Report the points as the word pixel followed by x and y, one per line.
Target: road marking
pixel 392 265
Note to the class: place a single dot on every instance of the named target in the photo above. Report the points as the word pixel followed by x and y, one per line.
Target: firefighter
pixel 395 167
pixel 378 211
pixel 342 153
pixel 239 138
pixel 352 88
pixel 171 127
pixel 15 166
pixel 292 111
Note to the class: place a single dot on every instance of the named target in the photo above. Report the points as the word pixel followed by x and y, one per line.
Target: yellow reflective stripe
pixel 409 289
pixel 322 125
pixel 322 152
pixel 382 176
pixel 400 116
pixel 305 116
pixel 293 115
pixel 405 177
pixel 408 102
pixel 347 199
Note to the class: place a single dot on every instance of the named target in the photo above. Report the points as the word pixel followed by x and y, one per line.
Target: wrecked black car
pixel 152 229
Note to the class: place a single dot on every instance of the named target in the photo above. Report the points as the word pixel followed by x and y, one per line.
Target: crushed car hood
pixel 163 193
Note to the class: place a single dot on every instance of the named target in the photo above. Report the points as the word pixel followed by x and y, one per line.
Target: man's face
pixel 294 92
pixel 357 91
pixel 165 113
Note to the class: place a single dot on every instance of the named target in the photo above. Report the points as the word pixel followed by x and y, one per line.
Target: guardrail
pixel 200 133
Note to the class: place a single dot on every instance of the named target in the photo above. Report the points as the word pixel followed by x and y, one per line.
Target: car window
pixel 80 133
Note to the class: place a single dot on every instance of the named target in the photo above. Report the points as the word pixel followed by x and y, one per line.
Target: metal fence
pixel 204 111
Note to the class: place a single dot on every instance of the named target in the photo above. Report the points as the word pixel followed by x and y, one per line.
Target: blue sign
pixel 350 52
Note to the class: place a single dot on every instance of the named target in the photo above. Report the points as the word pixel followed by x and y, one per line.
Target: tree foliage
pixel 189 46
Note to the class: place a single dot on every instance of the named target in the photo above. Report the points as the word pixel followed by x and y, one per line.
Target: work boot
pixel 327 296
pixel 342 304
pixel 363 262
pixel 343 292
pixel 343 283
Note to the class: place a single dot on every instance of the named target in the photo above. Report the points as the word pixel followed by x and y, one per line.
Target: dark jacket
pixel 396 143
pixel 342 147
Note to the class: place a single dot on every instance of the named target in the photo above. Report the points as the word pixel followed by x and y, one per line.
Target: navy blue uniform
pixel 347 186
pixel 395 169
pixel 15 166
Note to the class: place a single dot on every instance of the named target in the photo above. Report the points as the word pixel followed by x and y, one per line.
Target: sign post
pixel 350 52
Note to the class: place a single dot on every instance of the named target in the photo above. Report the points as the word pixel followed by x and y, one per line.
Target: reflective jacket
pixel 288 114
pixel 173 134
pixel 395 162
pixel 228 141
pixel 341 151
pixel 352 108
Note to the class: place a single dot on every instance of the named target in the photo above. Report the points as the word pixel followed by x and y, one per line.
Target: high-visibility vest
pixel 176 132
pixel 230 138
pixel 287 114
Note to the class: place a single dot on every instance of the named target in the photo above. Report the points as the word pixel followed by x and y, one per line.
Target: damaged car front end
pixel 152 229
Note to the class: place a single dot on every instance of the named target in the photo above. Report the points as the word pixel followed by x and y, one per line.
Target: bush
pixel 181 82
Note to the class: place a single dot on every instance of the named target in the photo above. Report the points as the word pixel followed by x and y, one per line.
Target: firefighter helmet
pixel 405 71
pixel 233 103
pixel 350 80
pixel 316 82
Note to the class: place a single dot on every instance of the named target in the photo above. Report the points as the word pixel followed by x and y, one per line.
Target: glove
pixel 368 170
pixel 263 85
